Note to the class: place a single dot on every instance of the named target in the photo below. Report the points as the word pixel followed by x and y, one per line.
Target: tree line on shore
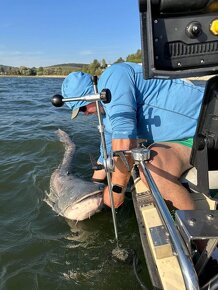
pixel 94 68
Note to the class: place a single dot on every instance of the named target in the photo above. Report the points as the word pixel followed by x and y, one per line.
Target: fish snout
pixel 85 208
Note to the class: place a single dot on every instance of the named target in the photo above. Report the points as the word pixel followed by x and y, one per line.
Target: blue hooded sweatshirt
pixel 155 109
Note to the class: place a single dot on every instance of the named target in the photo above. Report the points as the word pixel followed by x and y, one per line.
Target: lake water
pixel 38 249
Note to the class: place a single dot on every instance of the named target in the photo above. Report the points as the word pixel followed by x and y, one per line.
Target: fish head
pixel 85 208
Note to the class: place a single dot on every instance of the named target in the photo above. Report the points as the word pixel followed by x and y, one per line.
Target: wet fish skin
pixel 70 196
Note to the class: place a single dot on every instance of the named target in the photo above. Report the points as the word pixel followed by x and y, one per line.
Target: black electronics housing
pixel 204 154
pixel 179 38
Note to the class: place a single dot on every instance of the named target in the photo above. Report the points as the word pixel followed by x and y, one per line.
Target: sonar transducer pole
pixel 101 131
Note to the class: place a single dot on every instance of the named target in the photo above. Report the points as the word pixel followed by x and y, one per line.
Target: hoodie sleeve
pixel 122 110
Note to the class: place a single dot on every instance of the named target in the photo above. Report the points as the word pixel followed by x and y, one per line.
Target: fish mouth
pixel 84 208
pixel 76 206
pixel 97 192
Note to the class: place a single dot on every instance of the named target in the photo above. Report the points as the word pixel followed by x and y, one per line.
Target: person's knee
pixel 156 164
pixel 157 156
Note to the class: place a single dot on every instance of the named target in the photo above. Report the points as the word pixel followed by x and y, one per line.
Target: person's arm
pixel 120 176
pixel 121 117
pixel 100 175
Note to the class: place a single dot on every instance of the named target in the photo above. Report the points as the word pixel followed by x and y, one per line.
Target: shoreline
pixel 199 78
pixel 42 76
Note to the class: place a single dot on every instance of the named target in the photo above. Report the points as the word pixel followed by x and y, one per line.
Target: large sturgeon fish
pixel 72 197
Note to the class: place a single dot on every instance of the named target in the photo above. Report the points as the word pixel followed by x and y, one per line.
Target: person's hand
pixel 99 174
pixel 118 198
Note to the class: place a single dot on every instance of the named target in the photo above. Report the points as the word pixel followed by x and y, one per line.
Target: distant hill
pixel 57 69
pixel 5 66
pixel 73 65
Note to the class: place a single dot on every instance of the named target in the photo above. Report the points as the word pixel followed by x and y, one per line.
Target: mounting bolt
pixel 192 221
pixel 210 216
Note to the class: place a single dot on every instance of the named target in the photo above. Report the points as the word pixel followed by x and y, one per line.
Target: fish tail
pixel 64 138
pixel 69 149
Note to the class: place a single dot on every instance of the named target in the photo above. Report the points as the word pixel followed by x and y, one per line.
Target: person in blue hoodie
pixel 162 112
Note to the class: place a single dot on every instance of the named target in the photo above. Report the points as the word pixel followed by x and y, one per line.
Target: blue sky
pixel 46 32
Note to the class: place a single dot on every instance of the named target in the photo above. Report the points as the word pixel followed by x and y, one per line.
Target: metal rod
pixel 89 98
pixel 101 130
pixel 188 271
